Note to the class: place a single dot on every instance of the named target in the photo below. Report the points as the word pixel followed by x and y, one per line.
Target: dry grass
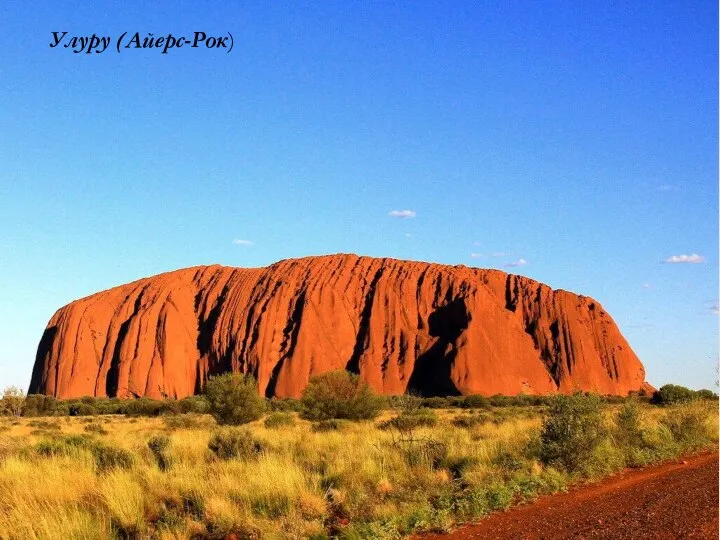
pixel 353 482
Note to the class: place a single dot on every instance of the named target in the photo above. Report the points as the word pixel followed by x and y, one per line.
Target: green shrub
pixel 109 457
pixel 688 425
pixel 96 429
pixel 40 405
pixel 142 407
pixel 329 425
pixel 424 453
pixel 229 443
pixel 671 394
pixel 341 395
pixel 411 420
pixel 106 457
pixel 278 420
pixel 285 405
pixel 571 432
pixel 82 409
pixel 159 445
pixel 457 466
pixel 187 421
pixel 44 424
pixel 706 394
pixel 194 404
pixel 234 399
pixel 468 421
pixel 435 403
pixel 628 426
pixel 475 401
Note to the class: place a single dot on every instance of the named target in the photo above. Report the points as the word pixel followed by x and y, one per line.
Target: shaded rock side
pixel 403 326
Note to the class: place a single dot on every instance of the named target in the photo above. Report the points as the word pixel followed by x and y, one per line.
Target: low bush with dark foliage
pixel 106 457
pixel 671 394
pixel 332 424
pixel 279 420
pixel 572 431
pixel 234 399
pixel 341 395
pixel 234 443
pixel 159 446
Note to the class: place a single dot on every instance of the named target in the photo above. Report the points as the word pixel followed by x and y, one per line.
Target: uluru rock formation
pixel 403 326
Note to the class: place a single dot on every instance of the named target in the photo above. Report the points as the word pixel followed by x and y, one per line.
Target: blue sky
pixel 579 143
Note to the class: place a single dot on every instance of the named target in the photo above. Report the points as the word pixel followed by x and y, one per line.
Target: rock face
pixel 403 326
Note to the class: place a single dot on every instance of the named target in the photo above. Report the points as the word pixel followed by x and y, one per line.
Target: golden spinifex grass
pixel 355 482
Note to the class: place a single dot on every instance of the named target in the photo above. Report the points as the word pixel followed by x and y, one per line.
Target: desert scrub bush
pixel 671 394
pixel 39 405
pixel 410 415
pixel 82 409
pixel 333 424
pixel 339 394
pixel 44 424
pixel 435 403
pixel 106 457
pixel 285 405
pixel 279 420
pixel 628 425
pixel 194 404
pixel 96 429
pixel 230 443
pixel 572 431
pixel 187 421
pixel 474 401
pixel 689 425
pixel 233 399
pixel 159 446
pixel 467 421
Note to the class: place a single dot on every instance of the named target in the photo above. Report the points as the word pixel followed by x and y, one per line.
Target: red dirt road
pixel 674 500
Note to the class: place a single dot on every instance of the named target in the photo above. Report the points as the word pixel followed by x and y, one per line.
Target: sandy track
pixel 674 500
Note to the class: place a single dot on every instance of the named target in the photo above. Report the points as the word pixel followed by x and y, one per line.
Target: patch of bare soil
pixel 673 500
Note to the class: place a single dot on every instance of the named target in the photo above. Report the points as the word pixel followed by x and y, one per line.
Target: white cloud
pixel 402 213
pixel 500 254
pixel 692 259
pixel 477 243
pixel 667 187
pixel 239 242
pixel 408 235
pixel 646 286
pixel 715 310
pixel 519 262
pixel 476 255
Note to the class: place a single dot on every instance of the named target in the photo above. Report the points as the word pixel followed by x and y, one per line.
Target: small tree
pixel 572 431
pixel 670 394
pixel 339 394
pixel 13 401
pixel 233 399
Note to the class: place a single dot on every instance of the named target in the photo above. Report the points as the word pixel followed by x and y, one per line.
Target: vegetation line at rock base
pixel 339 468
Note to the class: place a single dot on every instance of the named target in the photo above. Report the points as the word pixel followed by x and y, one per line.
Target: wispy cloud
pixel 476 255
pixel 667 187
pixel 408 235
pixel 402 213
pixel 691 259
pixel 500 254
pixel 477 243
pixel 647 286
pixel 519 262
pixel 239 242
pixel 715 310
